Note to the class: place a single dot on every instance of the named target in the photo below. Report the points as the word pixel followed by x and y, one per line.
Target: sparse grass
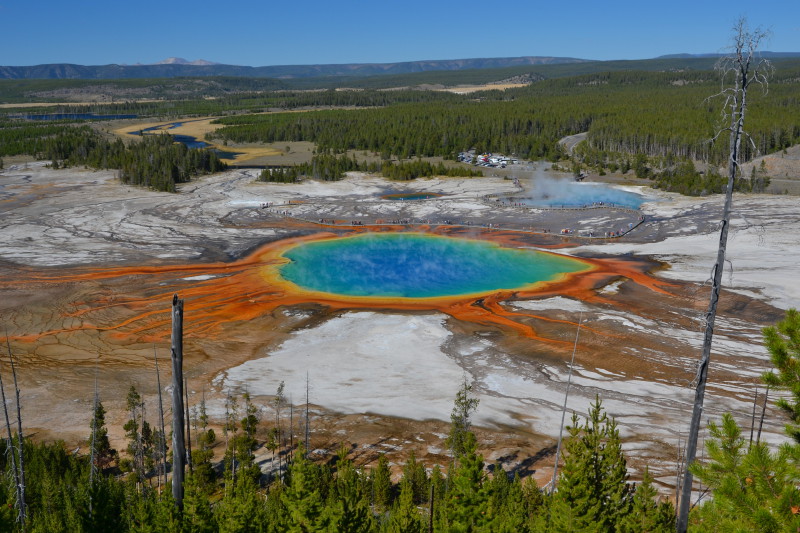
pixel 198 128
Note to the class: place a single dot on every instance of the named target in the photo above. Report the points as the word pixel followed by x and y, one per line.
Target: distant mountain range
pixel 178 67
pixel 766 55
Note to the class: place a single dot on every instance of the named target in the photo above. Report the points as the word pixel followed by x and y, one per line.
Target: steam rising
pixel 552 192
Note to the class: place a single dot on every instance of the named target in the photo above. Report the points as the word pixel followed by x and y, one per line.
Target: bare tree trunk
pixel 178 444
pixel 14 465
pixel 745 45
pixel 138 456
pixel 92 466
pixel 23 508
pixel 163 440
pixel 146 483
pixel 225 432
pixel 678 470
pixel 188 430
pixel 307 431
pixel 430 515
pixel 564 409
pixel 753 416
pixel 711 315
pixel 278 404
pixel 280 447
pixel 763 412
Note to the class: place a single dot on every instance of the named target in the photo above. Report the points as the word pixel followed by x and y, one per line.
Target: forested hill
pixel 561 66
pixel 765 55
pixel 70 71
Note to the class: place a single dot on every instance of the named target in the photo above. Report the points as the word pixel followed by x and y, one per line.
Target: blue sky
pixel 258 33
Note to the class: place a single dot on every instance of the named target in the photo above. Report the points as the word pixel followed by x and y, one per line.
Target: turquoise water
pixel 417 266
pixel 572 194
pixel 411 196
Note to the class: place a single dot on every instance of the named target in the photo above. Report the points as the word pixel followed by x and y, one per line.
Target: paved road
pixel 571 141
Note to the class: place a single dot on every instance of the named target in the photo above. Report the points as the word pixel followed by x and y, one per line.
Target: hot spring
pixel 563 193
pixel 403 265
pixel 411 196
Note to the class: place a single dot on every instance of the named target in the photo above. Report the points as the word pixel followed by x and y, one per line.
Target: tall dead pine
pixel 178 426
pixel 740 66
pixel 163 440
pixel 93 445
pixel 16 453
pixel 188 438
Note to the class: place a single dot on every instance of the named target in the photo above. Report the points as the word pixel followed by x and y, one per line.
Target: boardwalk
pixel 590 222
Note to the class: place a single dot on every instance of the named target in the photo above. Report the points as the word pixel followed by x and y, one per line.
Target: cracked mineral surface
pixel 89 267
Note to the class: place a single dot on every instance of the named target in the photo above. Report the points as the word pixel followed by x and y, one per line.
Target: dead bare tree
pixel 163 440
pixel 277 403
pixel 307 430
pixel 738 71
pixel 763 413
pixel 229 430
pixel 93 445
pixel 291 429
pixel 753 416
pixel 188 422
pixel 15 463
pixel 178 445
pixel 431 510
pixel 20 440
pixel 554 480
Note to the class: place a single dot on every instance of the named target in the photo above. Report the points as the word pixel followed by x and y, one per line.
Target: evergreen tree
pixel 438 482
pixel 203 475
pixel 241 510
pixel 138 433
pixel 783 344
pixel 305 506
pixel 506 509
pixel 533 499
pixel 414 473
pixel 55 497
pixel 167 518
pixel 103 453
pixel 245 443
pixel 512 515
pixel 593 493
pixel 405 517
pixel 231 430
pixel 197 514
pixel 348 504
pixel 647 514
pixel 460 419
pixel 275 512
pixel 754 489
pixel 497 486
pixel 148 444
pixel 107 497
pixel 467 504
pixel 381 485
pixel 139 510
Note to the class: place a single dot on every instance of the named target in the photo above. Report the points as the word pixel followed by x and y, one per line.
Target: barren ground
pixel 88 267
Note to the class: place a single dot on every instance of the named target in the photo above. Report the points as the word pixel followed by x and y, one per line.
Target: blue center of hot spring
pixel 562 193
pixel 418 266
